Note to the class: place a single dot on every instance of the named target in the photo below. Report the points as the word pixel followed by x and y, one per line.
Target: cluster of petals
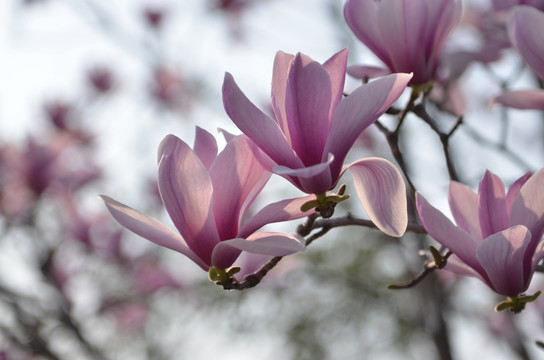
pixel 207 195
pixel 314 126
pixel 407 35
pixel 498 237
pixel 525 27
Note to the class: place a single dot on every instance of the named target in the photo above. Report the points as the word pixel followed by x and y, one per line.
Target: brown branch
pixel 350 220
pixel 428 268
pixel 420 111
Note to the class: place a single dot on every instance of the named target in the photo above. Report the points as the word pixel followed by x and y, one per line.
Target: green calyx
pixel 516 303
pixel 222 276
pixel 418 89
pixel 324 204
pixel 439 260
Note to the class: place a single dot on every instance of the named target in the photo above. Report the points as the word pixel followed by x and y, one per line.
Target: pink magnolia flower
pixel 498 237
pixel 315 127
pixel 207 197
pixel 407 35
pixel 525 27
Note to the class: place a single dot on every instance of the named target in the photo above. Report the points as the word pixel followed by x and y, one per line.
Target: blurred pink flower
pixel 207 197
pixel 173 89
pixel 526 26
pixel 150 277
pixel 154 17
pixel 315 127
pixel 498 237
pixel 101 79
pixel 407 35
pixel 28 172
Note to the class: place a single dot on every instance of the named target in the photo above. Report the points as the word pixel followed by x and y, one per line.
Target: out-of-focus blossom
pixel 59 113
pixel 315 127
pixel 154 17
pixel 91 230
pixel 526 26
pixel 173 90
pixel 101 79
pixel 231 6
pixel 498 237
pixel 63 116
pixel 150 277
pixel 207 197
pixel 30 171
pixel 128 315
pixel 407 35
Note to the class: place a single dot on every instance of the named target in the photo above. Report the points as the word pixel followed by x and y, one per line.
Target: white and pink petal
pixel 382 192
pixel 186 191
pixel 150 229
pixel 502 258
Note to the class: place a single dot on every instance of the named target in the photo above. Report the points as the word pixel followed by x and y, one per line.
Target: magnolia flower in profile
pixel 315 126
pixel 498 236
pixel 525 27
pixel 407 35
pixel 207 196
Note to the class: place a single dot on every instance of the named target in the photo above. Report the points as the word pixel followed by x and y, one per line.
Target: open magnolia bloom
pixel 314 127
pixel 498 237
pixel 207 196
pixel 525 27
pixel 407 35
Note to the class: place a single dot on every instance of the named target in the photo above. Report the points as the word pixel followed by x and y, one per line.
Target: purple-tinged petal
pixel 186 191
pixel 260 128
pixel 525 27
pixel 359 110
pixel 305 172
pixel 513 191
pixel 440 228
pixel 308 100
pixel 205 147
pixel 456 265
pixel 538 256
pixel 362 18
pixel 336 67
pixel 315 179
pixel 367 72
pixel 263 243
pixel 502 257
pixel 492 205
pixel 227 135
pixel 464 208
pixel 280 74
pixel 381 190
pixel 528 207
pixel 150 229
pixel 402 26
pixel 237 177
pixel 522 99
pixel 283 210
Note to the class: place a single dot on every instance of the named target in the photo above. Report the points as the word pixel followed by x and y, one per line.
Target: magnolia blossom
pixel 525 27
pixel 498 237
pixel 407 35
pixel 315 127
pixel 207 196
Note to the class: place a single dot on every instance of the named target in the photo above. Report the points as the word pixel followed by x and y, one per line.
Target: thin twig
pixel 420 111
pixel 428 268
